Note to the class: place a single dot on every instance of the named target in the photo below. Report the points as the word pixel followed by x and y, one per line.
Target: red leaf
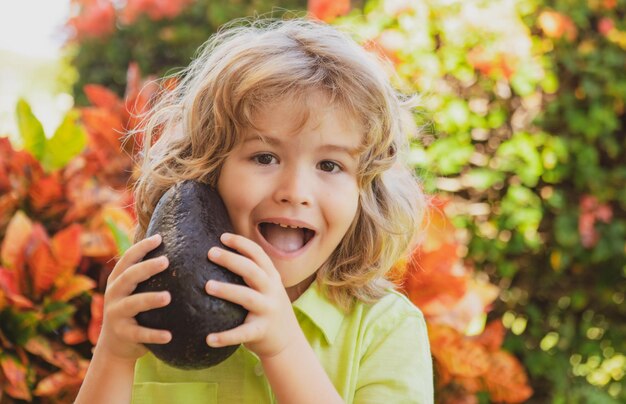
pixel 458 355
pixel 95 325
pixel 139 93
pixel 606 25
pixel 9 202
pixel 55 354
pixel 328 10
pixel 102 97
pixel 133 81
pixel 471 385
pixel 55 383
pixel 156 9
pixel 15 374
pixel 15 240
pixel 87 198
pixel 591 211
pixel 66 248
pixel 456 395
pixel 72 287
pixel 44 269
pixel 96 19
pixel 97 244
pixel 13 252
pixel 104 127
pixel 5 185
pixel 506 379
pixel 8 282
pixel 45 191
pixel 431 282
pixel 74 336
pixel 609 4
pixel 492 336
pixel 9 285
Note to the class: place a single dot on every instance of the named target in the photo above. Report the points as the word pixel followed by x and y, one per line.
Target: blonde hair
pixel 194 126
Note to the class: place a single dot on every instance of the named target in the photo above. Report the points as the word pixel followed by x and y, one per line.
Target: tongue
pixel 284 238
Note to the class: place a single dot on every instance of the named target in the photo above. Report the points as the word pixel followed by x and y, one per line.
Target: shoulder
pixel 395 359
pixel 391 308
pixel 393 316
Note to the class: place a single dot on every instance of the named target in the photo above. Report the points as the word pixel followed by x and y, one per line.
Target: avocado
pixel 190 217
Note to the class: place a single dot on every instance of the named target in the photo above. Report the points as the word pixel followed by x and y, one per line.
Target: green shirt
pixel 377 353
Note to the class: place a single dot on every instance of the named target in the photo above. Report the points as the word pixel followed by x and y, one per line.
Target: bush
pixel 158 36
pixel 524 103
pixel 65 216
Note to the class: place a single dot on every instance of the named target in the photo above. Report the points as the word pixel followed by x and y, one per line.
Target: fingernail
pixel 225 237
pixel 163 260
pixel 210 286
pixel 212 339
pixel 156 237
pixel 214 252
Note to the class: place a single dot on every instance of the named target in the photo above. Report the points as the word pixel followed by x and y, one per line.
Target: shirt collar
pixel 323 313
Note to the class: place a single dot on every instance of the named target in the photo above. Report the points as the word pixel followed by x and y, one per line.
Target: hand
pixel 121 337
pixel 271 324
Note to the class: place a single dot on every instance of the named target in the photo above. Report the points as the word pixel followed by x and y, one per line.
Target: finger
pixel 132 305
pixel 238 294
pixel 244 333
pixel 250 249
pixel 254 276
pixel 128 280
pixel 144 335
pixel 134 254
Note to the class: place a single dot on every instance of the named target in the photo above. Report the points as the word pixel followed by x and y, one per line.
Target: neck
pixel 295 291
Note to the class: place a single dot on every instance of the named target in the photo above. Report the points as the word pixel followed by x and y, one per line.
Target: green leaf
pixel 30 129
pixel 454 117
pixel 522 209
pixel 450 154
pixel 68 141
pixel 566 230
pixel 483 178
pixel 56 314
pixel 121 239
pixel 520 154
pixel 18 326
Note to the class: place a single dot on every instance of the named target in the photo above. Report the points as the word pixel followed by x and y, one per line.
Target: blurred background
pixel 522 273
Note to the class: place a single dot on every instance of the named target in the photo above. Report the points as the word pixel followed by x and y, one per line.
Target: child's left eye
pixel 329 166
pixel 264 159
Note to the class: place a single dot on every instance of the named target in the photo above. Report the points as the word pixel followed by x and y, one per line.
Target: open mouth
pixel 284 237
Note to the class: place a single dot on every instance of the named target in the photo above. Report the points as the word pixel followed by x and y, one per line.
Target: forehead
pixel 311 113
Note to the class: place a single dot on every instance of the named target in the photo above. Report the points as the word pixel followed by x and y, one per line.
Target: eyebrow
pixel 351 151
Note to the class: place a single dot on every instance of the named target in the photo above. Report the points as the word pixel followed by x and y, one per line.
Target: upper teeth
pixel 286 225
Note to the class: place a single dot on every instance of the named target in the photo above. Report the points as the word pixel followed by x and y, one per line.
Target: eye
pixel 329 166
pixel 264 159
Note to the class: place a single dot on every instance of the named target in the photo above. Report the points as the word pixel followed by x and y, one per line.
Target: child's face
pixel 306 180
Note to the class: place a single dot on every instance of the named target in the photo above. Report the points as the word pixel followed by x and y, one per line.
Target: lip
pixel 273 251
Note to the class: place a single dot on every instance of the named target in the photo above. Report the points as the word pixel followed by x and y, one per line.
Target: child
pixel 299 130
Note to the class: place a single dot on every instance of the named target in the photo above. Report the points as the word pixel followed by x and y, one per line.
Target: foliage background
pixel 523 143
pixel 525 102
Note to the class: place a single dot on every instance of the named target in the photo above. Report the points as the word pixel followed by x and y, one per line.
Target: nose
pixel 294 187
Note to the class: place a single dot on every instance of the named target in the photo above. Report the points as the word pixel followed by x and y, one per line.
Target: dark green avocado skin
pixel 190 217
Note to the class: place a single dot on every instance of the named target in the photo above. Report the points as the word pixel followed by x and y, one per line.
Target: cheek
pixel 237 207
pixel 342 208
pixel 230 191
